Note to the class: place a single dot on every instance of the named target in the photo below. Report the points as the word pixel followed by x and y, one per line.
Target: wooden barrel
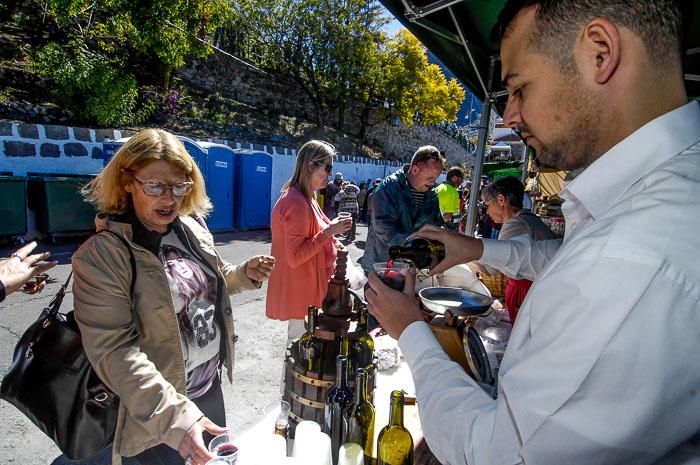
pixel 306 391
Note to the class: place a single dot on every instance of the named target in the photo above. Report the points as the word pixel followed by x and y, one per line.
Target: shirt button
pixel 227 311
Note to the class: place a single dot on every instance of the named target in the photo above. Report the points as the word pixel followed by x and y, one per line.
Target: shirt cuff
pixel 416 340
pixel 495 253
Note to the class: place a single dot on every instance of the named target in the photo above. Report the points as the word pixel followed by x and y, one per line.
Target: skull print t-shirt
pixel 193 289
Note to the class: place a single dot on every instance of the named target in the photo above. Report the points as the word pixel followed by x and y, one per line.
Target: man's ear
pixel 600 48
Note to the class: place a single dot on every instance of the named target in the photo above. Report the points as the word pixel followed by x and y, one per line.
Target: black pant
pixel 212 406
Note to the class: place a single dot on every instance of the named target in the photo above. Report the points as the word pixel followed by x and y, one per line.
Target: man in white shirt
pixel 599 368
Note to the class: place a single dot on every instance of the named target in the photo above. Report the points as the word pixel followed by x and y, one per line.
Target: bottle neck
pixel 362 318
pixel 396 411
pixel 341 375
pixel 312 319
pixel 361 387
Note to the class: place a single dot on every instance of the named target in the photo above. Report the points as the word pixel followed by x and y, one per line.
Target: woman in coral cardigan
pixel 302 240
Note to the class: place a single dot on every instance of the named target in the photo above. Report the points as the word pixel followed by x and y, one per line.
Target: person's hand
pixel 192 444
pixel 260 267
pixel 477 267
pixel 338 226
pixel 20 267
pixel 395 310
pixel 458 247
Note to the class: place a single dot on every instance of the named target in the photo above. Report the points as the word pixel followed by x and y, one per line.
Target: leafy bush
pixel 91 86
pixel 163 107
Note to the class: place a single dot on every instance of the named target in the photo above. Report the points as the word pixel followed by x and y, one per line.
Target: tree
pixel 415 86
pixel 169 29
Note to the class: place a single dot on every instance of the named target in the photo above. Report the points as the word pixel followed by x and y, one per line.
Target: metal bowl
pixel 458 301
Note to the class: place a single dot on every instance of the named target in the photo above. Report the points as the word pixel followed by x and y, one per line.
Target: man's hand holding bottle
pixel 458 247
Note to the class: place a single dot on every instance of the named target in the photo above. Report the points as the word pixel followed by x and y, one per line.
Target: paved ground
pixel 260 348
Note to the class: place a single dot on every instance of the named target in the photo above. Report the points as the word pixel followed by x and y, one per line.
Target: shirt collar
pixel 599 185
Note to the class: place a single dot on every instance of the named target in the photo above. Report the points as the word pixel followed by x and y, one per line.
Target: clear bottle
pixel 311 347
pixel 395 444
pixel 359 417
pixel 362 344
pixel 423 253
pixel 338 398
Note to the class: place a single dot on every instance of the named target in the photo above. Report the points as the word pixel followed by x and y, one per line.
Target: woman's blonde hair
pixel 107 193
pixel 313 151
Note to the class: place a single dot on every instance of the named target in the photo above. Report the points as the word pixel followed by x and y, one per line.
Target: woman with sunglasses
pixel 302 240
pixel 152 197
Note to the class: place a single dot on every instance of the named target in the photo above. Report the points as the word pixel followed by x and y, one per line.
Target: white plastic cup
pixel 351 454
pixel 305 437
pixel 324 456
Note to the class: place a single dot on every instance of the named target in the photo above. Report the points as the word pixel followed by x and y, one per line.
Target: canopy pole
pixel 480 153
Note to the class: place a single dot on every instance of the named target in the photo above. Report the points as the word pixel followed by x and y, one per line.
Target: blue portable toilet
pixel 220 172
pixel 253 181
pixel 110 147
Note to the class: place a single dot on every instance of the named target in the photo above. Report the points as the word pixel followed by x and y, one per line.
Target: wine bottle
pixel 423 253
pixel 359 417
pixel 362 344
pixel 339 397
pixel 395 444
pixel 311 347
pixel 344 349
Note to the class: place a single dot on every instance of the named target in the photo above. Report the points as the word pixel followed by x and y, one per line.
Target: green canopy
pixel 458 33
pixel 505 172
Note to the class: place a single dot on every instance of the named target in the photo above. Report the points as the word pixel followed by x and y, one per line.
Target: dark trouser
pixel 212 406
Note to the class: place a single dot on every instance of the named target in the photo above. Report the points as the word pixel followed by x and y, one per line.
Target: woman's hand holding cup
pixel 342 223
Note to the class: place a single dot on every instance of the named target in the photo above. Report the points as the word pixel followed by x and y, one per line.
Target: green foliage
pixel 89 86
pixel 416 86
pixel 170 29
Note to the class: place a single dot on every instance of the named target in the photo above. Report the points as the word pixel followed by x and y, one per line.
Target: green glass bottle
pixel 362 344
pixel 311 347
pixel 337 400
pixel 395 444
pixel 359 417
pixel 423 253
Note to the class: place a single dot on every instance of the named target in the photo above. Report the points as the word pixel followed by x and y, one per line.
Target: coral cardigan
pixel 305 257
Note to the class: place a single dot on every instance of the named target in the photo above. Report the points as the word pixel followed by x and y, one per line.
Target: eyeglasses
pixel 327 167
pixel 156 189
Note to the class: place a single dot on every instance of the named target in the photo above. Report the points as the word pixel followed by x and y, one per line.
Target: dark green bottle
pixel 359 417
pixel 422 253
pixel 311 347
pixel 362 344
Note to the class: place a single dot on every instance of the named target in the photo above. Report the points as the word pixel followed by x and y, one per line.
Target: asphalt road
pixel 260 348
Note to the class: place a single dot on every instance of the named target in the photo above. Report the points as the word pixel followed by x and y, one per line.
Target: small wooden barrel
pixel 306 392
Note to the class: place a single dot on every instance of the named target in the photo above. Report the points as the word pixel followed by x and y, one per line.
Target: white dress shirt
pixel 602 365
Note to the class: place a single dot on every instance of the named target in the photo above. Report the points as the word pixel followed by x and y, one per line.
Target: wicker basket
pixel 496 284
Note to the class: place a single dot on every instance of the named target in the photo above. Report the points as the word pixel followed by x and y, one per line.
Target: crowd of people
pixel 597 368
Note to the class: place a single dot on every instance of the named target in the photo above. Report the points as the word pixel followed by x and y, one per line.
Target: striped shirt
pixel 418 199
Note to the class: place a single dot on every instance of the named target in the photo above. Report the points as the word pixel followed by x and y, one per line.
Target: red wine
pixel 226 449
pixel 394 280
pixel 390 264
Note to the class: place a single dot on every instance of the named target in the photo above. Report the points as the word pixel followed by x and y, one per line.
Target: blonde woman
pixel 302 240
pixel 158 343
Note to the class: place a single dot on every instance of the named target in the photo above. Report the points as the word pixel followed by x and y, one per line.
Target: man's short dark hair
pixel 509 187
pixel 455 171
pixel 658 24
pixel 427 152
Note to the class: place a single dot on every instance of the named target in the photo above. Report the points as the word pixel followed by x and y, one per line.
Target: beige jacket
pixel 133 341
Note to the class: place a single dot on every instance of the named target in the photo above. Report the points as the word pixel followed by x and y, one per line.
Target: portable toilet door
pixel 253 174
pixel 198 152
pixel 220 169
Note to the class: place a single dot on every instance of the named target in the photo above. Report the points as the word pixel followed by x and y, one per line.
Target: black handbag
pixel 53 384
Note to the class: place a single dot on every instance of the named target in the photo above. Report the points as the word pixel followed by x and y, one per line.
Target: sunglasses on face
pixel 156 189
pixel 327 167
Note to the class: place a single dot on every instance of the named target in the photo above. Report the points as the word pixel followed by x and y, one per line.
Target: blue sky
pixel 394 25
